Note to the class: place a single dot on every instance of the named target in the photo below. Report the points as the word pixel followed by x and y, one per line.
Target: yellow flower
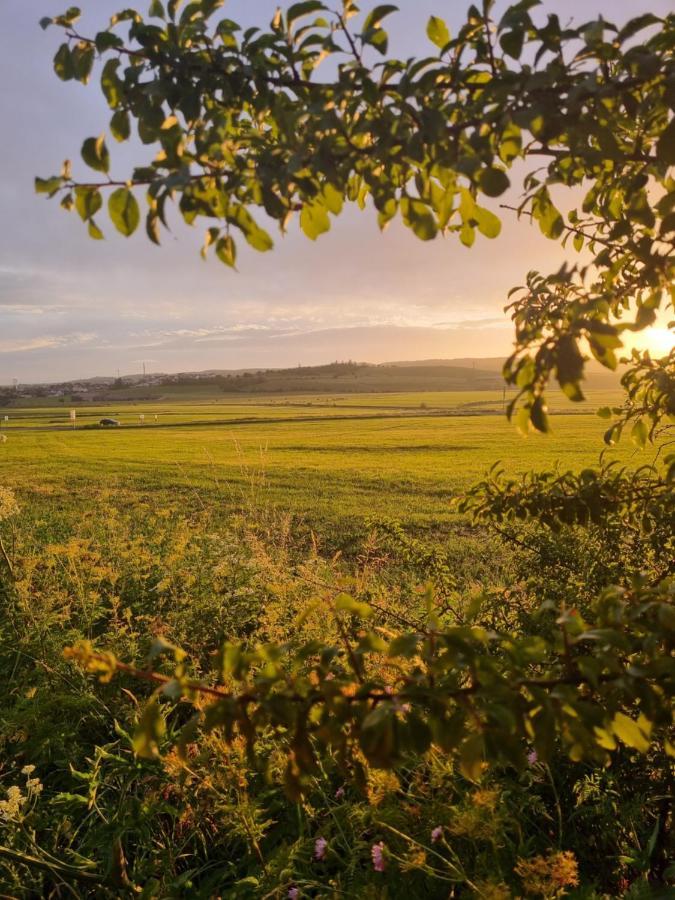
pixel 486 799
pixel 8 505
pixel 491 890
pixel 11 807
pixel 549 876
pixel 381 783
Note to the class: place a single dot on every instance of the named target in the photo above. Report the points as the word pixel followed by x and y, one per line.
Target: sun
pixel 658 341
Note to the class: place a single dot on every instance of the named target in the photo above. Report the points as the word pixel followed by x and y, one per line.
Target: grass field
pixel 395 455
pixel 246 520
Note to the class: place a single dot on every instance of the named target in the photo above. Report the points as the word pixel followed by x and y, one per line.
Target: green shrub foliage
pixel 570 667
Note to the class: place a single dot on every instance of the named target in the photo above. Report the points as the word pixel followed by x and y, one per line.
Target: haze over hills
pixel 464 374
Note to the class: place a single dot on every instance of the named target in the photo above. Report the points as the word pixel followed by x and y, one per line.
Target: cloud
pixel 45 342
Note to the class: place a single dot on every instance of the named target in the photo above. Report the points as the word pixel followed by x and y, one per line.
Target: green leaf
pixel 48 185
pixel 640 433
pixel 226 251
pixel 493 182
pixel 314 220
pixel 88 201
pixel 71 16
pixel 376 15
pixel 630 733
pixel 438 32
pixel 550 221
pixel 633 26
pixel 511 143
pixel 332 198
pixel 95 154
pixel 297 10
pixel 83 61
pixel 110 83
pixel 156 10
pixel 377 38
pixel 489 224
pixel 152 227
pixel 345 603
pixel 512 41
pixel 569 367
pixel 120 125
pixel 404 645
pixel 378 737
pixel 259 239
pixel 665 149
pixel 124 212
pixel 419 218
pixel 105 40
pixel 467 235
pixel 63 63
pixel 538 415
pixel 94 231
pixel 151 729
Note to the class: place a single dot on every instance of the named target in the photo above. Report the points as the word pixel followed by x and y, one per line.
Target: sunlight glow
pixel 659 341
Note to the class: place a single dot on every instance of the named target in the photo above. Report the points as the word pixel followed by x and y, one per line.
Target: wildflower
pixel 486 799
pixel 549 875
pixel 34 786
pixel 320 848
pixel 564 869
pixel 339 794
pixel 380 784
pixel 293 893
pixel 532 757
pixel 490 890
pixel 377 853
pixel 28 770
pixel 11 807
pixel 8 505
pixel 436 834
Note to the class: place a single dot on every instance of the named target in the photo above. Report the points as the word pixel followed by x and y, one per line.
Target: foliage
pixel 203 818
pixel 246 126
pixel 327 688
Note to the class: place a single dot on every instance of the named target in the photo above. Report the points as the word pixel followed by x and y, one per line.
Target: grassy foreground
pixel 194 533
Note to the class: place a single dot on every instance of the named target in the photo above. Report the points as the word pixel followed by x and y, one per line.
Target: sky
pixel 71 307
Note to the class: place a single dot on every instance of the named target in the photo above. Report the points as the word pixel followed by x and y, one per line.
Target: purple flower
pixel 377 852
pixel 293 893
pixel 532 757
pixel 339 794
pixel 320 848
pixel 436 834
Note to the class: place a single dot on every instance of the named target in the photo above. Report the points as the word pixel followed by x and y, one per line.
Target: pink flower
pixel 339 794
pixel 436 834
pixel 377 852
pixel 532 757
pixel 293 893
pixel 320 848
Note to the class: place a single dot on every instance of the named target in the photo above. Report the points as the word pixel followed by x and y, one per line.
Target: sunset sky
pixel 71 307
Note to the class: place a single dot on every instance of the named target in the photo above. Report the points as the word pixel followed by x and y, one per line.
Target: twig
pixel 8 562
pixel 60 868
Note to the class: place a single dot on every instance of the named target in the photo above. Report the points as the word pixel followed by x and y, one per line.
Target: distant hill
pixel 486 364
pixel 465 374
pixel 341 378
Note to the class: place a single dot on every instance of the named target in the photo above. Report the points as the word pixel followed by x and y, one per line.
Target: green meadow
pixel 401 456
